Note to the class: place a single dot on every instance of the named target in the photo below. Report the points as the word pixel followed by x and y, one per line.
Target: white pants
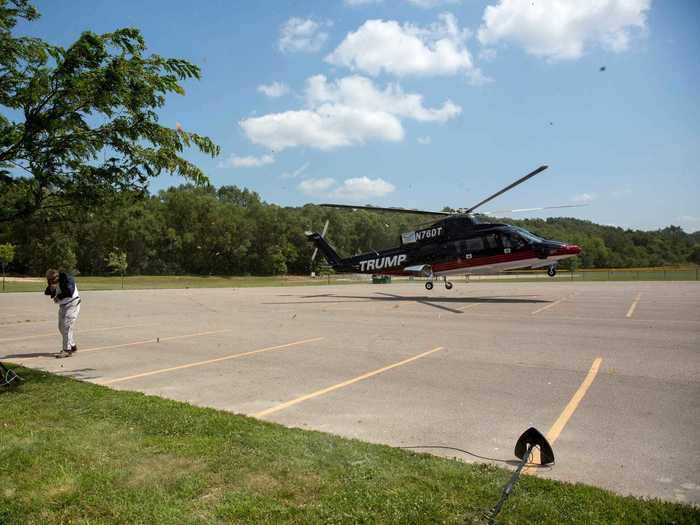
pixel 67 316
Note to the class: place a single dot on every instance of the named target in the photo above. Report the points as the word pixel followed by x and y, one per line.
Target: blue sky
pixel 428 103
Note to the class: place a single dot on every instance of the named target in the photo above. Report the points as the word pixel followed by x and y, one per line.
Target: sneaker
pixel 73 349
pixel 63 353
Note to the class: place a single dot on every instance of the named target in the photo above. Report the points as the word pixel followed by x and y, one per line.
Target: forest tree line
pixel 231 231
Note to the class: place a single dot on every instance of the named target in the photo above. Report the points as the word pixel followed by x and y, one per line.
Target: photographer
pixel 64 292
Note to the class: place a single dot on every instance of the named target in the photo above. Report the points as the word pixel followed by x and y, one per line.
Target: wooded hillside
pixel 231 231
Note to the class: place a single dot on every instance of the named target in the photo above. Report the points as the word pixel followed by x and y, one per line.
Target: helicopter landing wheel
pixel 429 285
pixel 448 285
pixel 552 271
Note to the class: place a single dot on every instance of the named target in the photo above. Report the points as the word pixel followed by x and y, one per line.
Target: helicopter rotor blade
pixel 509 187
pixel 461 211
pixel 523 210
pixel 392 210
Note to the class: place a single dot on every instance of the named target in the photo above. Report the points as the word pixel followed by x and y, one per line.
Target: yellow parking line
pixel 550 305
pixel 50 334
pixel 568 411
pixel 570 408
pixel 634 305
pixel 149 341
pixel 349 382
pixel 208 361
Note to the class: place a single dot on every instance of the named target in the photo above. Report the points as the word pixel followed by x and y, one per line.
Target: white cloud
pixel 360 188
pixel 276 89
pixel 342 113
pixel 487 54
pixel 297 172
pixel 559 29
pixel 355 3
pixel 303 34
pixel 429 4
pixel 316 186
pixel 354 189
pixel 326 127
pixel 246 162
pixel 584 197
pixel 360 93
pixel 424 140
pixel 403 50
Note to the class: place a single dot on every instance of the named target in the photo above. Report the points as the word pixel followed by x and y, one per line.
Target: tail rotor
pixel 323 234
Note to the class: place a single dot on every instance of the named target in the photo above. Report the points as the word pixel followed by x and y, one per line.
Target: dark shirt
pixel 66 287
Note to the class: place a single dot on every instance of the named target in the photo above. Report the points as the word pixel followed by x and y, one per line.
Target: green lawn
pixel 141 282
pixel 73 452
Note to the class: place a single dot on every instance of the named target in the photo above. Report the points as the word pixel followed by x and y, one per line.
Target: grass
pixel 672 274
pixel 73 452
pixel 141 282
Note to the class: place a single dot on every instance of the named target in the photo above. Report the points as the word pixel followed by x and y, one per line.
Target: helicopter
pixel 457 244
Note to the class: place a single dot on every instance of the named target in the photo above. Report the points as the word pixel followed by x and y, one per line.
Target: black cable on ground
pixel 497 460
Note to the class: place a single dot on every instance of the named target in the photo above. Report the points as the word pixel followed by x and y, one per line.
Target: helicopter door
pixel 509 244
pixel 473 247
pixel 492 244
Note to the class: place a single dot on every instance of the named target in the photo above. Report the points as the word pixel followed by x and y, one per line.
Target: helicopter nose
pixel 566 249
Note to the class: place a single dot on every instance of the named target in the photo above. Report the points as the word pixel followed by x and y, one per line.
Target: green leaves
pixel 90 124
pixel 117 262
pixel 7 253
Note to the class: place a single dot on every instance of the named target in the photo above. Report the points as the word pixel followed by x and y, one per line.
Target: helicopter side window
pixel 513 242
pixel 518 242
pixel 528 236
pixel 474 245
pixel 491 241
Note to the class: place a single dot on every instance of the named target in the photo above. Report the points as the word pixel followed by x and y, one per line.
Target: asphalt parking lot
pixel 609 371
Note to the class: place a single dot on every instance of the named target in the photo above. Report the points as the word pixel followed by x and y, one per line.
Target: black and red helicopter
pixel 458 244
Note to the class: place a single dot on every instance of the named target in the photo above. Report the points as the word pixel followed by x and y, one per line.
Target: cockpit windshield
pixel 530 237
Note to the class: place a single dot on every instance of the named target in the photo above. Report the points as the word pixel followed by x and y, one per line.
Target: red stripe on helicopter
pixel 570 249
pixel 484 261
pixel 474 262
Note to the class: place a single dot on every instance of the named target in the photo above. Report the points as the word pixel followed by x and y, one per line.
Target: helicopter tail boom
pixel 326 249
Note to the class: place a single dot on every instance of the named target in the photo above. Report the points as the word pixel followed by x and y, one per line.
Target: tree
pixel 89 126
pixel 274 262
pixel 117 262
pixel 56 250
pixel 694 256
pixel 7 254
